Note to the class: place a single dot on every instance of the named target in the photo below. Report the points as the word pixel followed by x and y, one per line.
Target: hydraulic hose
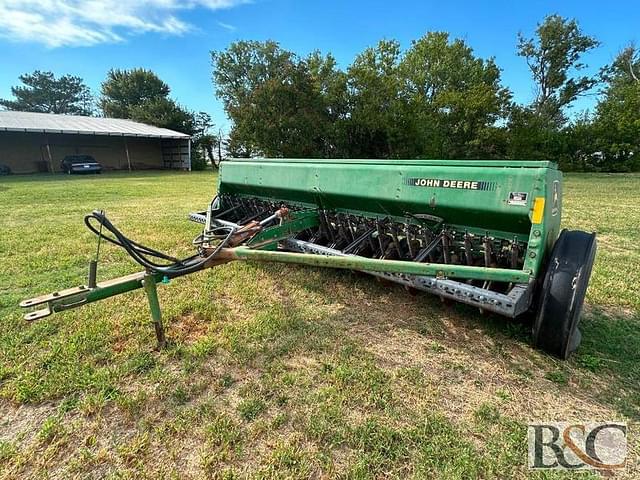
pixel 151 259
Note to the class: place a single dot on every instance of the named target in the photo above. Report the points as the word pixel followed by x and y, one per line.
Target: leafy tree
pixel 580 145
pixel 530 135
pixel 237 73
pixel 165 113
pixel 43 92
pixel 376 109
pixel 142 96
pixel 330 83
pixel 617 122
pixel 554 58
pixel 125 90
pixel 203 142
pixel 271 97
pixel 437 100
pixel 539 131
pixel 454 97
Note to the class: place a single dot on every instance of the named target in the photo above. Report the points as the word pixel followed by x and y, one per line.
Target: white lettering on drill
pixel 437 183
pixel 427 182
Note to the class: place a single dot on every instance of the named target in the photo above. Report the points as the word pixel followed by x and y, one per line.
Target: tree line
pixel 436 99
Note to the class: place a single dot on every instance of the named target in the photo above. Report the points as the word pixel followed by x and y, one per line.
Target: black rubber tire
pixel 555 329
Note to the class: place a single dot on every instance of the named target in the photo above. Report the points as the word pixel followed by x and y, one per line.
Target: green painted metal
pixel 78 296
pixel 149 283
pixel 296 222
pixel 391 266
pixel 387 161
pixel 118 286
pixel 481 198
pixel 494 198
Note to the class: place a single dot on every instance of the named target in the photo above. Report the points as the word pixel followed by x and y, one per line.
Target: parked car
pixel 80 164
pixel 5 170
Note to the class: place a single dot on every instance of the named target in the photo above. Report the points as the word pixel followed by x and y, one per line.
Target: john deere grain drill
pixel 484 233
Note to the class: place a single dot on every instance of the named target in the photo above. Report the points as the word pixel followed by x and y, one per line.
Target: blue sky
pixel 173 38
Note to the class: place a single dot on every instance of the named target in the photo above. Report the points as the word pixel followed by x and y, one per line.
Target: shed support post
pixel 189 154
pixel 49 156
pixel 126 150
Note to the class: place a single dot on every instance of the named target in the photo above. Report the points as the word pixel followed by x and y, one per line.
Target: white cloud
pixel 57 23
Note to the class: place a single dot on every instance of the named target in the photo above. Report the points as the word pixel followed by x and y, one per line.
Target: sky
pixel 173 38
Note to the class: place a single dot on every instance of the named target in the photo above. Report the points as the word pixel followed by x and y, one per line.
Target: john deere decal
pixel 459 184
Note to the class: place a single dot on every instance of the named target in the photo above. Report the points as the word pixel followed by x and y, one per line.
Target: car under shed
pixel 38 142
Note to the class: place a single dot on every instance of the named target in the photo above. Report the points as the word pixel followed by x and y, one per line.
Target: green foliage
pixel 272 99
pixel 166 113
pixel 251 408
pixel 198 161
pixel 436 99
pixel 531 136
pixel 558 376
pixel 377 114
pixel 204 143
pixel 618 114
pixel 387 104
pixel 553 56
pixel 590 362
pixel 142 96
pixel 540 131
pixel 44 93
pixel 124 90
pixel 455 98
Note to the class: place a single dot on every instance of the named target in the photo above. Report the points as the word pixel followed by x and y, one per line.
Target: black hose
pixel 154 260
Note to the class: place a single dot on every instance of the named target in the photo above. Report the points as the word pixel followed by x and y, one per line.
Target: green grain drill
pixel 484 233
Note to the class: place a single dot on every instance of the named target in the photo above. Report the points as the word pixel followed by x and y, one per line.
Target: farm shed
pixel 37 142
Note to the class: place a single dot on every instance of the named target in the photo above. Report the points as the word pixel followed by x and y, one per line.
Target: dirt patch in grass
pixel 19 421
pixel 188 328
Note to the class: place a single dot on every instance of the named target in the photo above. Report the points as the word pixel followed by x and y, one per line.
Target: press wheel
pixel 555 329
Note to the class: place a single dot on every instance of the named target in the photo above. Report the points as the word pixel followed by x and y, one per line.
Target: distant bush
pixel 198 161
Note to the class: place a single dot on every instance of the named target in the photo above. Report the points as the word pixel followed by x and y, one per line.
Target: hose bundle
pixel 153 260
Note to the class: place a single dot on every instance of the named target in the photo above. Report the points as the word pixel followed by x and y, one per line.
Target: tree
pixel 124 90
pixel 165 113
pixel 581 151
pixel 142 96
pixel 203 142
pixel 540 131
pixel 270 95
pixel 376 111
pixel 554 58
pixel 617 123
pixel 44 93
pixel 436 100
pixel 455 98
pixel 330 83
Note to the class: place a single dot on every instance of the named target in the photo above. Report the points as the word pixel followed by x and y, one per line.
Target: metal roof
pixel 75 124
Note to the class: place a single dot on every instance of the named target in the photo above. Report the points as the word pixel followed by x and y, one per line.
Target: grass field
pixel 278 371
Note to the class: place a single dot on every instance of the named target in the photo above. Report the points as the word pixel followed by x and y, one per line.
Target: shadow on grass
pixel 610 348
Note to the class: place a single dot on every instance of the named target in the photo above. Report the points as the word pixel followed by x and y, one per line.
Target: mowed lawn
pixel 277 371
